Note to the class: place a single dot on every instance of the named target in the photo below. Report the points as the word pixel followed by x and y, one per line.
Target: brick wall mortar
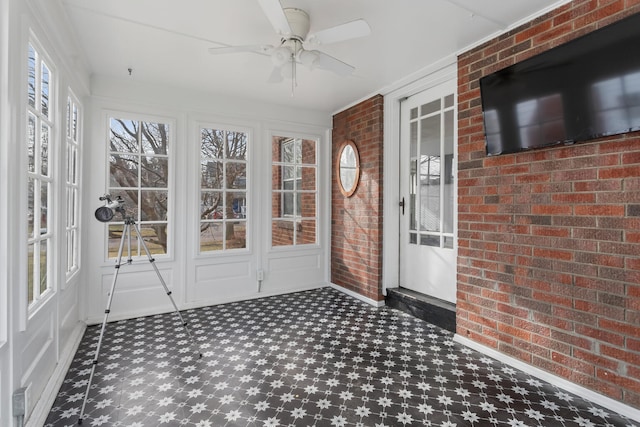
pixel 549 248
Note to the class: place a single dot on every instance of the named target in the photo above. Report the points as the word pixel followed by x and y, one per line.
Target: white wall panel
pixel 38 356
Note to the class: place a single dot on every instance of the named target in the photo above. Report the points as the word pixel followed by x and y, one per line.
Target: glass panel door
pixel 427 241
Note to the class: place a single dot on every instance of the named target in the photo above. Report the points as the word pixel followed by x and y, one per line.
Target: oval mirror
pixel 348 168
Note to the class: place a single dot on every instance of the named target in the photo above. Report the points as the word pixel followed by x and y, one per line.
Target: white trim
pixel 47 398
pixel 357 296
pixel 597 398
pixel 525 20
pixel 439 73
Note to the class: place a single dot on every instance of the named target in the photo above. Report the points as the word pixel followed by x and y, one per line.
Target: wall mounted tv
pixel 581 90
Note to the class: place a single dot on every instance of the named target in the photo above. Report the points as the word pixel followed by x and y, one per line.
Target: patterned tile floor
pixel 315 358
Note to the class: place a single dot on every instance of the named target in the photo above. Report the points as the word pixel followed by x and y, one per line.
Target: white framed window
pixel 73 138
pixel 432 173
pixel 223 189
pixel 294 194
pixel 40 177
pixel 139 173
pixel 291 158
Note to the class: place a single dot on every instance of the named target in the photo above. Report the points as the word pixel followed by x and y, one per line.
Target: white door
pixel 428 193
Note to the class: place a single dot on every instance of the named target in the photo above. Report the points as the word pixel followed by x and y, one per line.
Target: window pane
pixel 307 232
pixel 211 174
pixel 31 213
pixel 430 193
pixel 71 204
pixel 124 136
pixel 236 175
pixel 123 170
pixel 448 242
pixel 288 152
pixel 307 205
pixel 236 145
pixel 113 240
pixel 211 205
pixel 211 235
pixel 239 204
pixel 44 207
pixel 44 280
pixel 308 152
pixel 211 143
pixel 448 101
pixel 30 271
pixel 73 165
pixel 70 250
pixel 74 134
pixel 45 90
pixel 413 140
pixel 31 143
pixel 430 107
pixel 287 204
pixel 31 76
pixel 426 240
pixel 289 173
pixel 153 205
pixel 155 238
pixel 282 233
pixel 44 150
pixel 155 138
pixel 235 235
pixel 308 181
pixel 154 171
pixel 413 186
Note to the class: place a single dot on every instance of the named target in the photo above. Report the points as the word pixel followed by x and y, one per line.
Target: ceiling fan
pixel 292 25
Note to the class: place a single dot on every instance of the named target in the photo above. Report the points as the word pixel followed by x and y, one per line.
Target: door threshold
pixel 430 309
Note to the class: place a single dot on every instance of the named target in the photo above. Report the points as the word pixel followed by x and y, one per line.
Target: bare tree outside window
pixel 223 190
pixel 40 127
pixel 139 173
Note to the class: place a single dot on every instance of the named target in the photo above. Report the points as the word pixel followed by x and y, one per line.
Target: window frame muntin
pixel 124 114
pixel 40 298
pixel 248 220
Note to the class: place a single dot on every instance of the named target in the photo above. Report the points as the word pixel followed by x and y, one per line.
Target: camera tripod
pixel 126 237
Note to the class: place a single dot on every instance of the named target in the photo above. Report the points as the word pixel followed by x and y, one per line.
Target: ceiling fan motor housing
pixel 298 21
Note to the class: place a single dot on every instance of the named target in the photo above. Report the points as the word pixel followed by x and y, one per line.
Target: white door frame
pixel 440 72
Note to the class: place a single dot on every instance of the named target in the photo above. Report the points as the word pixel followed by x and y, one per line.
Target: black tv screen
pixel 584 89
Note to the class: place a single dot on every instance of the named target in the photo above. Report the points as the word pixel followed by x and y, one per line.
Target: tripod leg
pixel 166 289
pixel 125 231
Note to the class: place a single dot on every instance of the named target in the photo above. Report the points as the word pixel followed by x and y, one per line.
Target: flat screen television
pixel 584 89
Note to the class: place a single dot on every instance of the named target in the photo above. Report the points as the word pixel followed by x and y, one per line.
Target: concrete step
pixel 433 310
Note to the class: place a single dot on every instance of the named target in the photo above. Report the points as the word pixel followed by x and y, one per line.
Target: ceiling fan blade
pixel 346 31
pixel 276 75
pixel 275 14
pixel 328 62
pixel 263 49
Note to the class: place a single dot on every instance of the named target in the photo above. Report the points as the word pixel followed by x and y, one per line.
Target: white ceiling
pixel 166 42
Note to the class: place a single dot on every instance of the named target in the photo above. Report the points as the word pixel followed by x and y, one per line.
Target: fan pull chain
pixel 294 82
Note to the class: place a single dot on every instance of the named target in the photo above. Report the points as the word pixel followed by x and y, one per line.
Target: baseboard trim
pixel 41 411
pixel 357 295
pixel 597 398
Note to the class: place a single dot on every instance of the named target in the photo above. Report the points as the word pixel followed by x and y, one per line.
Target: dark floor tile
pixel 315 358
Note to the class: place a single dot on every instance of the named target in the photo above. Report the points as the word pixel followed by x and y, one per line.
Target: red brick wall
pixel 549 240
pixel 356 222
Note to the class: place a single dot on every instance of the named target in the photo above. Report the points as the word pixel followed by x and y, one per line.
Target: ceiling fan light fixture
pixel 280 56
pixel 308 58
